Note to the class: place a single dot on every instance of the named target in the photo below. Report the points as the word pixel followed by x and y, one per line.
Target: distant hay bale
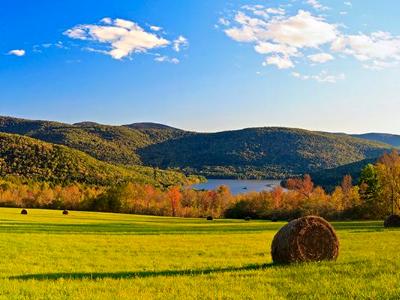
pixel 210 218
pixel 304 240
pixel 392 221
pixel 24 212
pixel 65 212
pixel 247 219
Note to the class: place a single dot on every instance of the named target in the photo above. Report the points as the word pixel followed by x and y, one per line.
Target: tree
pixel 351 196
pixel 388 174
pixel 174 196
pixel 303 186
pixel 370 189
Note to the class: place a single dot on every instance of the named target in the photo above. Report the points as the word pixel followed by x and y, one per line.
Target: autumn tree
pixel 174 196
pixel 303 186
pixel 388 173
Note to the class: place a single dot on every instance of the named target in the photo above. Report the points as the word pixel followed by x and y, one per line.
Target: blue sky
pixel 204 65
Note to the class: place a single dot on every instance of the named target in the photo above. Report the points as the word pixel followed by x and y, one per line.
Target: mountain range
pixel 391 139
pixel 267 152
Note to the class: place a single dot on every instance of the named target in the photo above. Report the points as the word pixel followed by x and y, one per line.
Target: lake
pixel 238 186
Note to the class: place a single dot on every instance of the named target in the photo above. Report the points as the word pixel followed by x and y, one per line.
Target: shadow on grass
pixel 130 228
pixel 141 274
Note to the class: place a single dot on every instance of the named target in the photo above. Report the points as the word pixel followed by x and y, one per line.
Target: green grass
pixel 46 255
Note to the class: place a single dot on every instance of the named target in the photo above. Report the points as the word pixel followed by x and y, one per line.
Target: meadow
pixel 88 255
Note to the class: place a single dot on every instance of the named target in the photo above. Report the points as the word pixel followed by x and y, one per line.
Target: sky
pixel 208 65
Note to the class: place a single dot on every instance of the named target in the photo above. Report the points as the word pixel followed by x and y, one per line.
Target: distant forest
pixel 252 153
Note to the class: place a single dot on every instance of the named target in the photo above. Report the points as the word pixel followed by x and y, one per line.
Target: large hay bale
pixel 392 221
pixel 65 212
pixel 24 212
pixel 306 239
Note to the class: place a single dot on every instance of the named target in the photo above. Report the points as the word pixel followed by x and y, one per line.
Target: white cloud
pixel 321 57
pixel 302 30
pixel 285 39
pixel 17 52
pixel 379 48
pixel 322 77
pixel 106 20
pixel 155 28
pixel 275 11
pixel 163 58
pixel 224 22
pixel 180 42
pixel 281 62
pixel 261 10
pixel 267 48
pixel 122 37
pixel 317 5
pixel 287 36
pixel 378 65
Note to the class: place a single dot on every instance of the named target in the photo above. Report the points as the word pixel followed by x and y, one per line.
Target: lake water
pixel 238 186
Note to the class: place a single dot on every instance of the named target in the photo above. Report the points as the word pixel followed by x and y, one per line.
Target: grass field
pixel 85 255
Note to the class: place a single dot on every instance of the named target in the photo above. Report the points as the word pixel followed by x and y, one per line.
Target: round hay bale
pixel 392 221
pixel 210 218
pixel 247 219
pixel 304 240
pixel 65 212
pixel 24 212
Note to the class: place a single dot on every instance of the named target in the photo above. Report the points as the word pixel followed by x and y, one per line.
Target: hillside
pixel 33 159
pixel 250 153
pixel 390 139
pixel 114 144
pixel 260 152
pixel 331 178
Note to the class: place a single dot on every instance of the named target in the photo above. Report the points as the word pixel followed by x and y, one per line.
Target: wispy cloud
pixel 164 58
pixel 317 5
pixel 322 77
pixel 180 43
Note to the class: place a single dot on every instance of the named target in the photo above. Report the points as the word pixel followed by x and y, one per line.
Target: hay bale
pixel 392 221
pixel 210 218
pixel 305 239
pixel 247 219
pixel 24 212
pixel 65 212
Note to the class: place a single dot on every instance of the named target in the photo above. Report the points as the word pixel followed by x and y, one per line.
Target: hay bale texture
pixel 392 221
pixel 304 240
pixel 24 212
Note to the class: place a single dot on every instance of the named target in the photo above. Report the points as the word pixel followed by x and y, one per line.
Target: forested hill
pixel 331 178
pixel 391 139
pixel 251 153
pixel 256 152
pixel 33 159
pixel 114 144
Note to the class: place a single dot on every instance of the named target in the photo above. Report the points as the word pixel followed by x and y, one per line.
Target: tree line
pixel 375 196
